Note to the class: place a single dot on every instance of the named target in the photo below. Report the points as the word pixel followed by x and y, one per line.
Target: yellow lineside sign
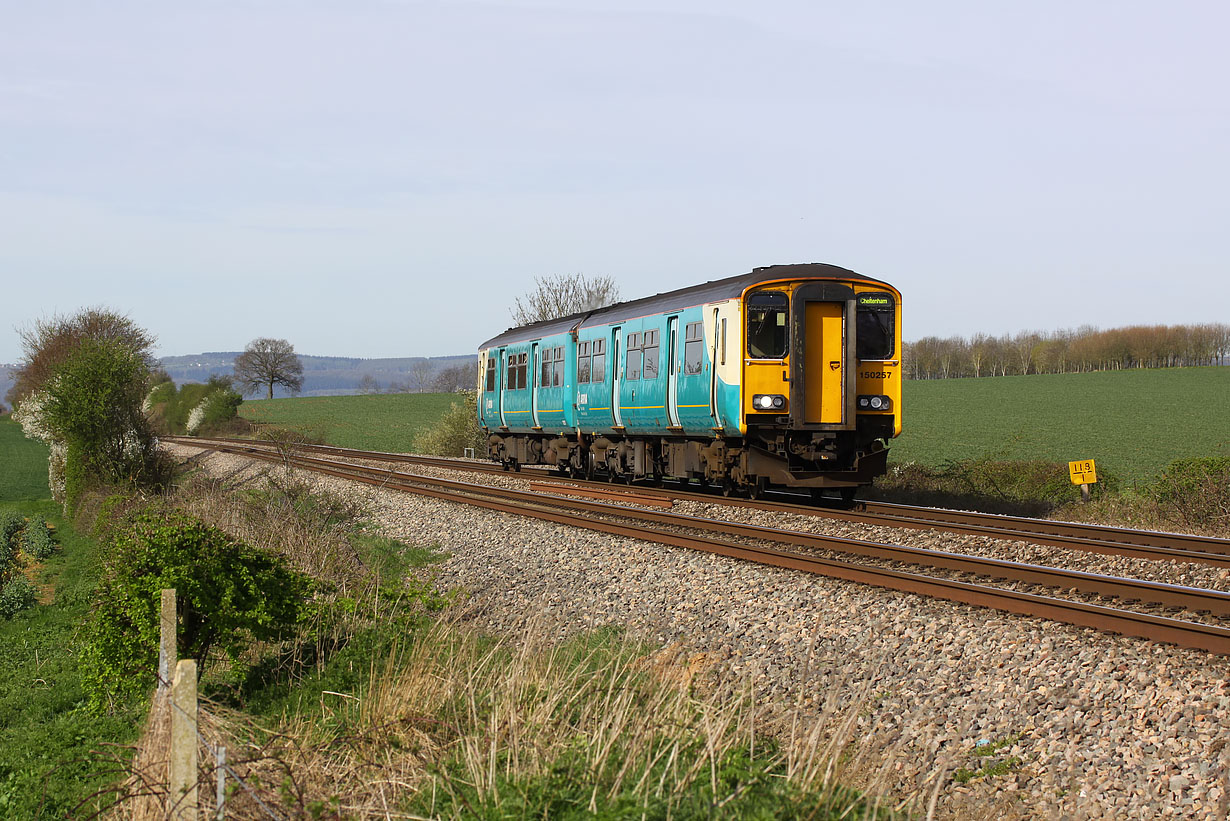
pixel 1083 472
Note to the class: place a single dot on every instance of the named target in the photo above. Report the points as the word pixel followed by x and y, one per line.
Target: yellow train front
pixel 821 379
pixel 786 376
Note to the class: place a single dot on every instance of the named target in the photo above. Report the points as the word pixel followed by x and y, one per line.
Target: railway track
pixel 880 566
pixel 1140 544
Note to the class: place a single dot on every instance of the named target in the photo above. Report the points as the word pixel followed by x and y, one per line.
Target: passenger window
pixel 521 371
pixel 490 374
pixel 633 369
pixel 557 369
pixel 544 377
pixel 693 352
pixel 766 325
pixel 651 355
pixel 598 374
pixel 583 363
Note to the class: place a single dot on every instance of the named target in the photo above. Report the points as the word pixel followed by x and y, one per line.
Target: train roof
pixel 715 291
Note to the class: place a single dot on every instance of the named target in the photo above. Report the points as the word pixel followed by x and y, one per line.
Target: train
pixel 788 376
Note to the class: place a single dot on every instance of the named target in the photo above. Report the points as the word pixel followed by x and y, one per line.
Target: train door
pixel 825 335
pixel 616 373
pixel 672 371
pixel 713 375
pixel 535 384
pixel 501 382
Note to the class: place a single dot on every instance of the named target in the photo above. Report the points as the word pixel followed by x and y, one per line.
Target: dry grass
pixel 454 725
pixel 451 723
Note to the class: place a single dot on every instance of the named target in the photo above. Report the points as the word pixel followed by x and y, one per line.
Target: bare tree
pixel 564 294
pixel 268 362
pixel 453 379
pixel 368 384
pixel 420 375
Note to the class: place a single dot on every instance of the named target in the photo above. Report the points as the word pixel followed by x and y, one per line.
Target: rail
pixel 694 532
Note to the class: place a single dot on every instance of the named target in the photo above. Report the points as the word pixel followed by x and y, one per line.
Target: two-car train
pixel 786 376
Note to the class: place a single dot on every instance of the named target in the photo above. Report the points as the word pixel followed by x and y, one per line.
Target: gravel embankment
pixel 1092 725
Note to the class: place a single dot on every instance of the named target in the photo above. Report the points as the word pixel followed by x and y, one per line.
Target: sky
pixel 382 179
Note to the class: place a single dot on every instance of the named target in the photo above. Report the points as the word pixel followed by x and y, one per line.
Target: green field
pixel 1131 422
pixel 372 422
pixel 23 464
pixel 51 749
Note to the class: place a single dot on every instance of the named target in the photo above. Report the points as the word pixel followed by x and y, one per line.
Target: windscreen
pixel 876 311
pixel 766 325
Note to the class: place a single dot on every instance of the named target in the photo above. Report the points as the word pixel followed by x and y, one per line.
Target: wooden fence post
pixel 183 792
pixel 220 800
pixel 166 645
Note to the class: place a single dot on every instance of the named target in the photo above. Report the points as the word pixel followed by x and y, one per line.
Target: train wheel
pixel 757 489
pixel 728 488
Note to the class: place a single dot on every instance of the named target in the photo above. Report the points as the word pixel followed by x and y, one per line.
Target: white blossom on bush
pixel 56 461
pixel 29 414
pixel 198 415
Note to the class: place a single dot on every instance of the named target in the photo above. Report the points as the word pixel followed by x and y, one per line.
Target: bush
pixel 36 541
pixel 93 406
pixel 16 595
pixel 1021 487
pixel 1195 492
pixel 193 408
pixel 10 525
pixel 457 430
pixel 229 594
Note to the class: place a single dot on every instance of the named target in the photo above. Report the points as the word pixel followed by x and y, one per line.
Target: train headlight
pixel 768 401
pixel 875 403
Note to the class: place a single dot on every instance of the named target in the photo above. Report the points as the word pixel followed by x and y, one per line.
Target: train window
pixel 693 352
pixel 632 370
pixel 874 326
pixel 544 377
pixel 557 368
pixel 490 374
pixel 651 354
pixel 583 362
pixel 766 325
pixel 519 371
pixel 723 344
pixel 598 374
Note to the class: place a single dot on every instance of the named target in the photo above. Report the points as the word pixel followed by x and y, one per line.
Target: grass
pixel 388 422
pixel 23 465
pixel 48 741
pixel 1131 422
pixel 390 704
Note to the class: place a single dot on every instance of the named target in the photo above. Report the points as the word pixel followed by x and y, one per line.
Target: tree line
pixel 1067 351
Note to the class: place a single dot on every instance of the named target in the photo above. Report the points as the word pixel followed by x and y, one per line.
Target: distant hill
pixel 322 375
pixel 327 375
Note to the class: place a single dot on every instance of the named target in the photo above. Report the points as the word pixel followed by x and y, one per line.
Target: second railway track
pixel 1141 544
